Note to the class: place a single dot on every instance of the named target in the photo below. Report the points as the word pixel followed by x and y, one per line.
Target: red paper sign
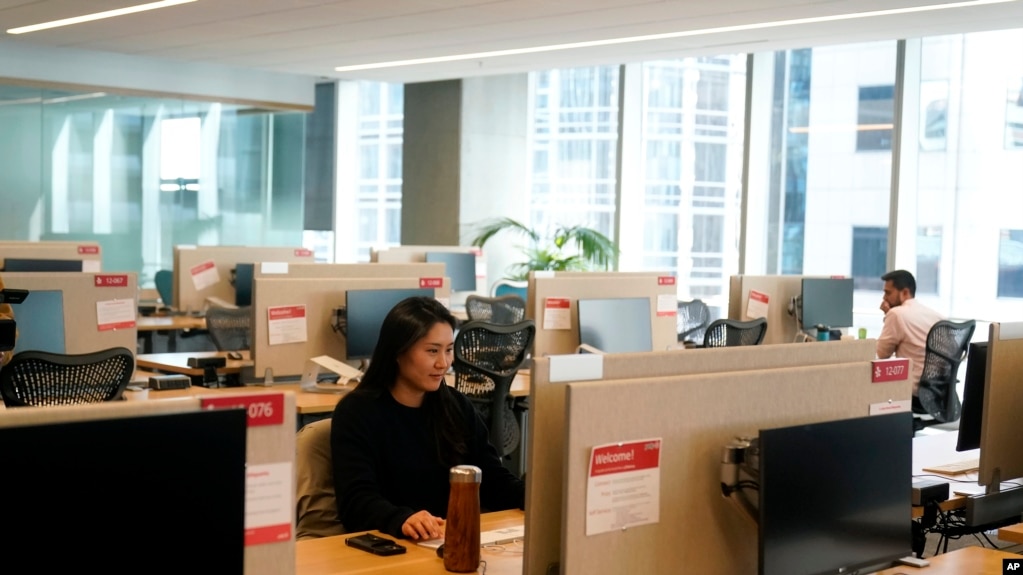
pixel 625 457
pixel 82 250
pixel 118 280
pixel 882 370
pixel 303 253
pixel 260 408
pixel 666 280
pixel 431 282
pixel 113 326
pixel 199 268
pixel 557 303
pixel 271 534
pixel 757 296
pixel 286 312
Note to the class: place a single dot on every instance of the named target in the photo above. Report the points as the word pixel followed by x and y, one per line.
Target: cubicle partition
pixel 202 272
pixel 417 254
pixel 696 401
pixel 88 253
pixel 315 299
pixel 778 291
pixel 553 295
pixel 304 270
pixel 98 309
pixel 270 453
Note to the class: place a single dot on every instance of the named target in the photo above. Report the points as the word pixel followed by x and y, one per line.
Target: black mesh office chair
pixel 503 310
pixel 692 321
pixel 487 357
pixel 230 329
pixel 41 378
pixel 947 343
pixel 730 332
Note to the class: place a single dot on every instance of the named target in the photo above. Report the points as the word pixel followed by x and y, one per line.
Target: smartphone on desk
pixel 375 544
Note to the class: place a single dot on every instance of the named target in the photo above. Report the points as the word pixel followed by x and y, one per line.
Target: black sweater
pixel 386 466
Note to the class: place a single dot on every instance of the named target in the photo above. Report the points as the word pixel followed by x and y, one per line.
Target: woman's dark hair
pixel 408 322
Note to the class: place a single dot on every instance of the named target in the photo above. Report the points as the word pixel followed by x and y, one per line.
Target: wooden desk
pixel 146 325
pixel 965 561
pixel 1012 533
pixel 330 555
pixel 178 362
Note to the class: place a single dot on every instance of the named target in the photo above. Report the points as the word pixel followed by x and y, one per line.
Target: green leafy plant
pixel 569 248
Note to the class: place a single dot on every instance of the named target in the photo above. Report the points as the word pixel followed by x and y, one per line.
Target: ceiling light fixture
pixel 668 35
pixel 97 16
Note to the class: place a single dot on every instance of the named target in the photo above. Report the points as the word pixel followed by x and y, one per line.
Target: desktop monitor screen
pixel 127 495
pixel 40 322
pixel 460 267
pixel 365 311
pixel 616 325
pixel 827 301
pixel 835 496
pixel 972 414
pixel 243 284
pixel 35 265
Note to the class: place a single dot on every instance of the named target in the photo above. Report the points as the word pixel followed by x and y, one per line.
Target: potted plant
pixel 577 248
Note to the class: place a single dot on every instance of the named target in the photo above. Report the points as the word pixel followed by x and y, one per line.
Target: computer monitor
pixel 972 415
pixel 827 301
pixel 38 265
pixel 243 284
pixel 365 311
pixel 40 322
pixel 835 496
pixel 120 495
pixel 616 325
pixel 460 267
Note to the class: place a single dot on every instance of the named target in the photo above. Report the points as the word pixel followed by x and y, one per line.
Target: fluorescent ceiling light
pixel 96 16
pixel 667 35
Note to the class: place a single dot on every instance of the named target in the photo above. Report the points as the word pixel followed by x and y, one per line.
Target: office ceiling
pixel 315 36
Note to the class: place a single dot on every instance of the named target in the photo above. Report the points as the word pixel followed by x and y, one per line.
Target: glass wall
pixel 380 129
pixel 101 167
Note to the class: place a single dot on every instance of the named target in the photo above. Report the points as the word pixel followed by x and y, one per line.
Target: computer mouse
pixel 234 355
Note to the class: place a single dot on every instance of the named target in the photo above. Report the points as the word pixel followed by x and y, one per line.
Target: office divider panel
pixel 88 252
pixel 781 327
pixel 547 416
pixel 304 270
pixel 201 272
pixel 416 254
pixel 1003 403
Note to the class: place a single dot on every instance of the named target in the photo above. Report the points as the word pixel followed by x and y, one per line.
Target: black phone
pixel 375 544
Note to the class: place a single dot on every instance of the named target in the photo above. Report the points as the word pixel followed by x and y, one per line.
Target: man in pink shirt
pixel 906 323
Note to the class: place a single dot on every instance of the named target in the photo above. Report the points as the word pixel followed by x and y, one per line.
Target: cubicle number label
pixel 260 408
pixel 666 280
pixel 303 253
pixel 90 250
pixel 884 370
pixel 119 280
pixel 431 282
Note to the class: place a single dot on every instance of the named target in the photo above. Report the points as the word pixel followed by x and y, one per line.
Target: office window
pixel 933 115
pixel 378 199
pixel 1010 263
pixel 928 260
pixel 869 257
pixel 1014 114
pixel 875 118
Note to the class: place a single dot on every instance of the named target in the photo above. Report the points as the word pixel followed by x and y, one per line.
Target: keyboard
pixel 956 467
pixel 492 537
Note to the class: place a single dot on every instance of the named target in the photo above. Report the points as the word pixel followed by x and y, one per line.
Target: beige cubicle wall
pixel 190 262
pixel 320 296
pixel 265 444
pixel 82 293
pixel 417 254
pixel 588 285
pixel 1003 404
pixel 547 451
pixel 88 252
pixel 781 325
pixel 321 270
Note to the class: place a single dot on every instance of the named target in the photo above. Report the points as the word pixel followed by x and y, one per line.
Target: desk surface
pixel 169 322
pixel 965 561
pixel 1012 533
pixel 330 555
pixel 178 362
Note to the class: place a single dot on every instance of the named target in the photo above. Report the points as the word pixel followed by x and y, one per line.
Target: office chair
pixel 730 332
pixel 230 329
pixel 692 321
pixel 503 310
pixel 509 287
pixel 41 378
pixel 164 280
pixel 315 501
pixel 487 357
pixel 947 343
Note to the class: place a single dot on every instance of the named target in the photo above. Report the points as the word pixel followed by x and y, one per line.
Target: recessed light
pixel 96 16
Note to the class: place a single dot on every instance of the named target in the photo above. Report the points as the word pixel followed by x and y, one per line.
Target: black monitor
pixel 835 496
pixel 243 284
pixel 827 301
pixel 127 495
pixel 460 267
pixel 617 325
pixel 365 311
pixel 37 265
pixel 972 414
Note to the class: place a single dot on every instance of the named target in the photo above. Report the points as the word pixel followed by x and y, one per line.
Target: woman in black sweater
pixel 397 434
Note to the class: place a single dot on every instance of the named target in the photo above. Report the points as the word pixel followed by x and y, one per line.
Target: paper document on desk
pixel 348 376
pixel 487 538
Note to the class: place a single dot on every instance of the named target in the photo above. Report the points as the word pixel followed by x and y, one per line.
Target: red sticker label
pixel 757 296
pixel 625 457
pixel 271 534
pixel 286 312
pixel 199 268
pixel 83 250
pixel 883 370
pixel 303 253
pixel 666 280
pixel 557 303
pixel 113 326
pixel 431 282
pixel 260 408
pixel 118 280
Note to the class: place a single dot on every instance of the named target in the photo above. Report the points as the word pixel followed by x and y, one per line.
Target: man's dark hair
pixel 901 279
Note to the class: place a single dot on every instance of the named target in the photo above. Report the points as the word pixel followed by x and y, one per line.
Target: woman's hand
pixel 422 525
